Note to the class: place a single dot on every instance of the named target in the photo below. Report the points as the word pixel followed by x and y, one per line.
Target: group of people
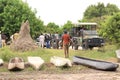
pixel 49 40
pixel 55 41
pixel 3 38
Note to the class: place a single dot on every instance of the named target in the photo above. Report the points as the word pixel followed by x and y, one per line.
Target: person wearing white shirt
pixel 41 40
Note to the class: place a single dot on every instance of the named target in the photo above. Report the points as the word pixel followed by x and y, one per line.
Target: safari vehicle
pixel 86 36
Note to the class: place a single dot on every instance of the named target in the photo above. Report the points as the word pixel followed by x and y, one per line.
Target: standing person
pixel 41 40
pixel 11 37
pixel 4 37
pixel 57 40
pixel 47 40
pixel 66 42
pixel 15 36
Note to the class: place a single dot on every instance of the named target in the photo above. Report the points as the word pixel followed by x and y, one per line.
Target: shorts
pixel 66 46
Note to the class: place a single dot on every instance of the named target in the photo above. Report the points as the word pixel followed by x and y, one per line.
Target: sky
pixel 60 11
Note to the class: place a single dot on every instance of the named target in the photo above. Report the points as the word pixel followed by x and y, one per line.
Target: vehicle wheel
pixel 90 47
pixel 84 46
pixel 76 47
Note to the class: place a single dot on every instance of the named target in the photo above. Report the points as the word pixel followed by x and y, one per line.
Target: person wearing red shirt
pixel 66 42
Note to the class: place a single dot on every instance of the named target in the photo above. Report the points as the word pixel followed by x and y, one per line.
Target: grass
pixel 46 54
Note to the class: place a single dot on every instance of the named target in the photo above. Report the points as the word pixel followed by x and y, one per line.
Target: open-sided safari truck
pixel 86 36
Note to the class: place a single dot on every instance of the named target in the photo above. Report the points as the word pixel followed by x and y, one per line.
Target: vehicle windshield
pixel 90 33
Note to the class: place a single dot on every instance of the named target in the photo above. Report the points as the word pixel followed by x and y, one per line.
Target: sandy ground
pixel 84 74
pixel 89 74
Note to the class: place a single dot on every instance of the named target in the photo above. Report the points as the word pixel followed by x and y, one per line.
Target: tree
pixel 111 9
pixel 111 29
pixel 52 28
pixel 97 11
pixel 13 13
pixel 90 12
pixel 67 26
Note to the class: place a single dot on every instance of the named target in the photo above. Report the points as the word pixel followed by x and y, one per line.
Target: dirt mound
pixel 24 41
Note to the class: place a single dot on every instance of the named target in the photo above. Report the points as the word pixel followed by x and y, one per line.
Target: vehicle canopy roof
pixel 84 23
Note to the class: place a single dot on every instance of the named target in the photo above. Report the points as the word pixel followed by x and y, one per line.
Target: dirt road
pixel 89 74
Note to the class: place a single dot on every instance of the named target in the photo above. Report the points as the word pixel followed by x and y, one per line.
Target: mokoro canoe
pixel 35 62
pixel 96 64
pixel 16 64
pixel 60 61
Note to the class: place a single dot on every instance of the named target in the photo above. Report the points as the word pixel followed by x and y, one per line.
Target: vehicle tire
pixel 76 47
pixel 90 47
pixel 84 46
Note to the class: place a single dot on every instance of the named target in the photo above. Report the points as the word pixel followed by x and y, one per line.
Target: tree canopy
pixel 13 13
pixel 99 10
pixel 52 27
pixel 67 26
pixel 111 29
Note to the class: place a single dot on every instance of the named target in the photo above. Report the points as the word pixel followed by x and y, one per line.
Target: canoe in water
pixel 59 61
pixel 96 64
pixel 16 64
pixel 35 62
